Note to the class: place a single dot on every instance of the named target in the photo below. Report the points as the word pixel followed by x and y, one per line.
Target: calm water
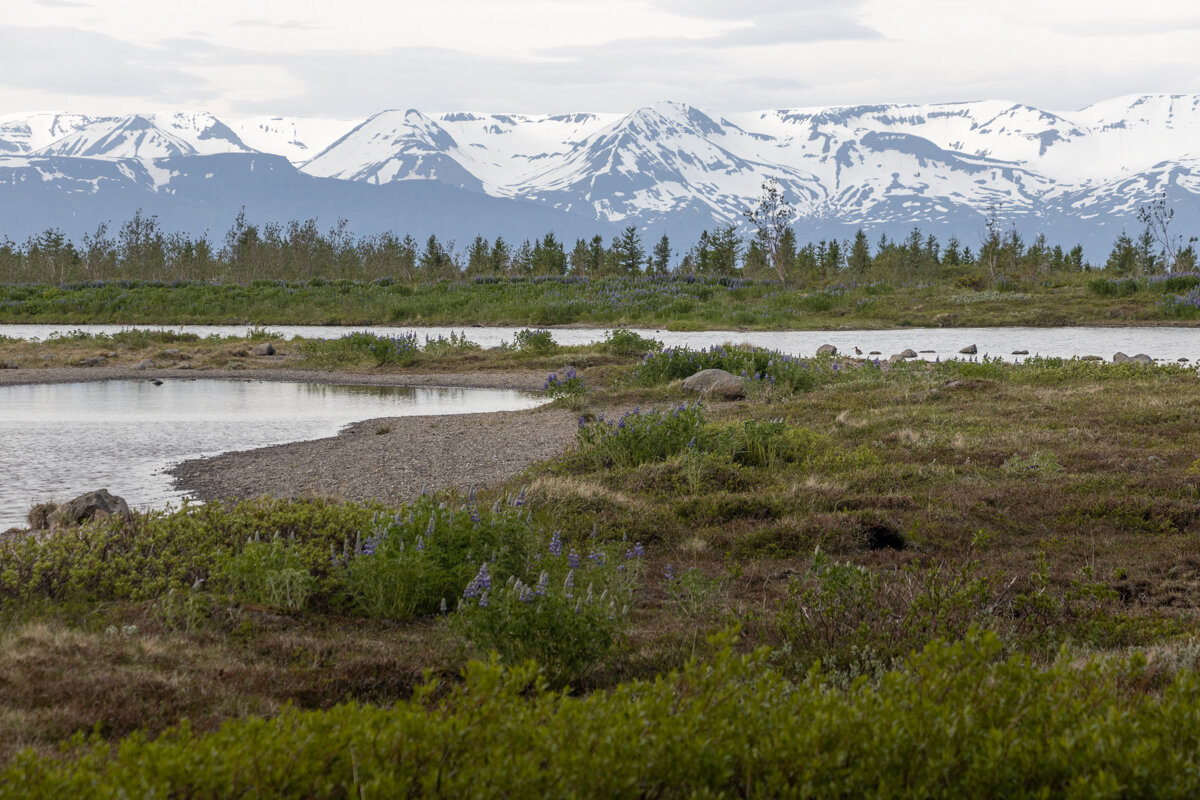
pixel 61 440
pixel 1167 344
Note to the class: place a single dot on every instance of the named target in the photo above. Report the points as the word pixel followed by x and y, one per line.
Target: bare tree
pixel 771 218
pixel 1157 219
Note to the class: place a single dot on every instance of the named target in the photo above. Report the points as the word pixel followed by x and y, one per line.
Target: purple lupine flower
pixel 543 584
pixel 483 600
pixel 474 515
pixel 555 547
pixel 582 421
pixel 669 574
pixel 573 559
pixel 569 583
pixel 479 584
pixel 596 556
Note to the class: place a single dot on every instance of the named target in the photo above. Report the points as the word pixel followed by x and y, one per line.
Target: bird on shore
pixel 857 352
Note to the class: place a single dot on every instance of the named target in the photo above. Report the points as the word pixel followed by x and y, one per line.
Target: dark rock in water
pixel 875 353
pixel 93 505
pixel 1020 352
pixel 929 351
pixel 969 350
pixel 1090 358
pixel 1141 358
pixel 156 382
pixel 827 350
pixel 264 349
pixel 1182 360
pixel 717 382
pixel 909 353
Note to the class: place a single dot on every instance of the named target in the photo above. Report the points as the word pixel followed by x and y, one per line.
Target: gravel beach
pixel 388 459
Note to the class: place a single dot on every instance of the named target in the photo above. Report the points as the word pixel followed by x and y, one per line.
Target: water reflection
pixel 61 440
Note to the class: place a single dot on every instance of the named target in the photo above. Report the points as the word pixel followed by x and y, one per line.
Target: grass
pixel 676 302
pixel 1040 516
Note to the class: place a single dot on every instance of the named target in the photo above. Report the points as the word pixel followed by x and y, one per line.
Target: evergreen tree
pixel 858 265
pixel 660 258
pixel 501 258
pixel 479 257
pixel 580 258
pixel 628 255
pixel 1122 259
pixel 548 257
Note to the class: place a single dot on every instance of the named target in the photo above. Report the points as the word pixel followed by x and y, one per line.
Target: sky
pixel 350 58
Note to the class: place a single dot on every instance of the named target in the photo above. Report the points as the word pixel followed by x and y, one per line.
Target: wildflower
pixel 569 583
pixel 597 557
pixel 483 600
pixel 573 560
pixel 479 584
pixel 555 544
pixel 669 574
pixel 543 584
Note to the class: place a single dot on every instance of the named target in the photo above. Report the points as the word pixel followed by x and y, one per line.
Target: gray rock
pixel 93 505
pixel 1119 358
pixel 716 382
pixel 1141 358
pixel 1020 352
pixel 969 350
pixel 9 365
pixel 909 353
pixel 827 350
pixel 92 362
pixel 894 357
pixel 1182 360
pixel 171 353
pixel 875 353
pixel 145 363
pixel 264 349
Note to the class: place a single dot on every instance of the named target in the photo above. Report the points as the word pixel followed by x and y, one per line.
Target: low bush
pixel 269 572
pixel 637 436
pixel 752 363
pixel 569 384
pixel 534 342
pixel 567 613
pixel 402 350
pixel 959 720
pixel 627 343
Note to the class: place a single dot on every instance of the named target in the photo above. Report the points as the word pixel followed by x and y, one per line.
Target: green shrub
pixel 569 384
pixel 568 618
pixel 418 560
pixel 271 572
pixel 767 366
pixel 1106 287
pixel 454 344
pixel 637 436
pixel 361 346
pixel 959 720
pixel 624 342
pixel 534 342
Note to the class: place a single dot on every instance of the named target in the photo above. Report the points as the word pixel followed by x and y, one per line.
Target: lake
pixel 61 440
pixel 1164 343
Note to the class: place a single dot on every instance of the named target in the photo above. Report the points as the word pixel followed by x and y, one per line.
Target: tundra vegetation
pixel 295 273
pixel 947 579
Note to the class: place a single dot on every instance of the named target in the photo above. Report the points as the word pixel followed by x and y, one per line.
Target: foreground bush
pixel 958 721
pixel 755 363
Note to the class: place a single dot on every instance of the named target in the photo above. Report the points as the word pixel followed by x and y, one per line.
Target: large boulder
pixel 908 353
pixel 99 504
pixel 716 382
pixel 827 350
pixel 969 350
pixel 264 349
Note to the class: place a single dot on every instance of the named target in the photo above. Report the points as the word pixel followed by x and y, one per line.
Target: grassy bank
pixel 676 302
pixel 896 537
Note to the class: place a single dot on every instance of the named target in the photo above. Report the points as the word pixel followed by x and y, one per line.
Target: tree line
pixel 141 250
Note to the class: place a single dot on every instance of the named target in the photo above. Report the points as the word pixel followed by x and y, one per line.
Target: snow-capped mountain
pixel 1077 176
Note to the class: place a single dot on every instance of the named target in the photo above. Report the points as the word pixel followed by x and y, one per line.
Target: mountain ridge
pixel 669 166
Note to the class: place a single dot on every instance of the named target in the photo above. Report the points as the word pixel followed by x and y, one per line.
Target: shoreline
pixel 524 380
pixel 389 459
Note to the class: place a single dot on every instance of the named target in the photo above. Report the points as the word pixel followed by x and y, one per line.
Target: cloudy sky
pixel 350 58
